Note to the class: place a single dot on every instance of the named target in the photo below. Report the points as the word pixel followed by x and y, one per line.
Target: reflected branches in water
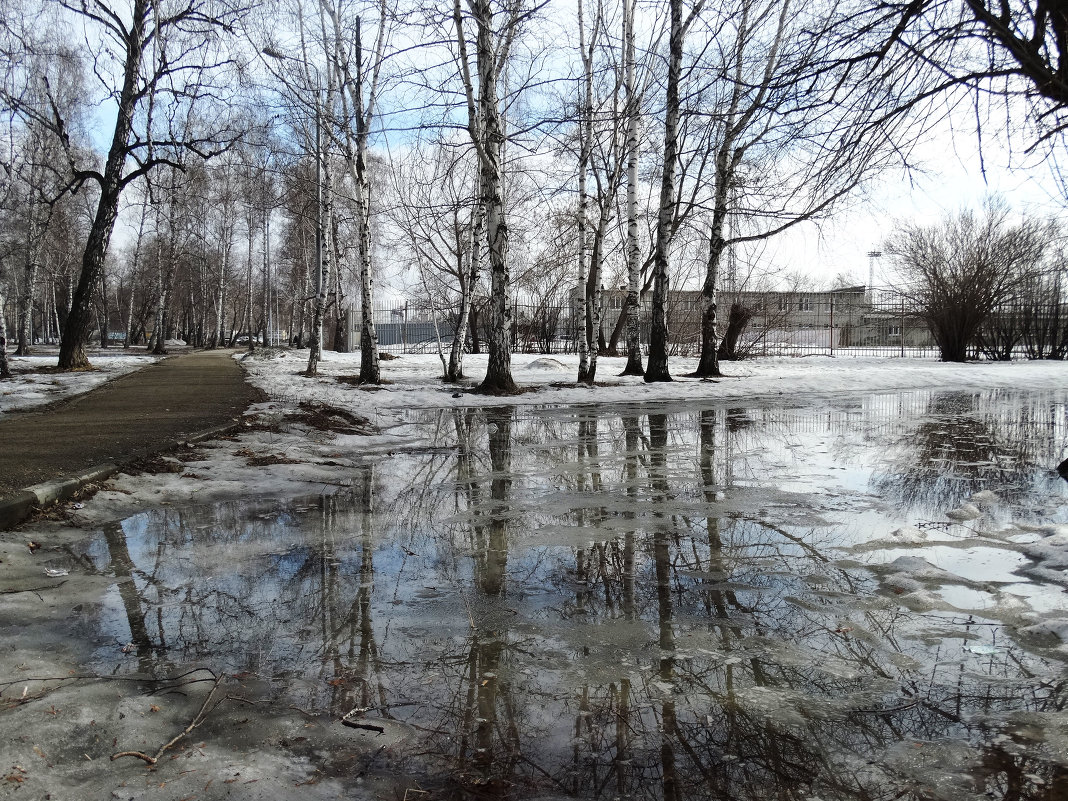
pixel 607 605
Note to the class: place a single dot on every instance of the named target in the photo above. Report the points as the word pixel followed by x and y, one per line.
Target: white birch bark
pixel 5 369
pixel 322 248
pixel 468 275
pixel 633 253
pixel 358 95
pixel 487 134
pixel 585 123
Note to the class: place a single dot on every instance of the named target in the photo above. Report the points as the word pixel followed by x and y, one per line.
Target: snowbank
pixel 414 381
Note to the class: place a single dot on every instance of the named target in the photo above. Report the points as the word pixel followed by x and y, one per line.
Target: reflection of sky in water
pixel 628 602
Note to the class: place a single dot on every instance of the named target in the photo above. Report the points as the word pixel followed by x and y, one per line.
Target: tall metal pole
pixel 872 256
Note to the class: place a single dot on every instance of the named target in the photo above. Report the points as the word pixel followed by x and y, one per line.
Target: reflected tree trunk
pixel 367 659
pixel 658 443
pixel 122 567
pixel 633 440
pixel 495 559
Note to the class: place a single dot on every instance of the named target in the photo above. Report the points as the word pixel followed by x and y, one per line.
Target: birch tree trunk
pixel 468 283
pixel 322 269
pixel 218 337
pixel 487 134
pixel 266 274
pixel 633 301
pixel 135 270
pixel 729 154
pixel 657 367
pixel 5 368
pixel 709 364
pixel 36 228
pixel 249 261
pixel 358 105
pixel 586 342
pixel 370 372
pixel 104 310
pixel 593 291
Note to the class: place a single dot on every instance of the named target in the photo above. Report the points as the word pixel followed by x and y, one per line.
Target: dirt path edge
pixel 16 508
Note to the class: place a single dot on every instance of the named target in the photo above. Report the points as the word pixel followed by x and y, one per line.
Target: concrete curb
pixel 16 508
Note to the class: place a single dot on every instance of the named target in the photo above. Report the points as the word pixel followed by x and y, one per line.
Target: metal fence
pixel 851 322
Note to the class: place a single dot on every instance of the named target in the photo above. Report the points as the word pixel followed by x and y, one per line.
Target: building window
pixel 804 304
pixel 894 331
pixel 784 303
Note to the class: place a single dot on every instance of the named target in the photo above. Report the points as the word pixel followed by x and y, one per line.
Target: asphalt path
pixel 137 415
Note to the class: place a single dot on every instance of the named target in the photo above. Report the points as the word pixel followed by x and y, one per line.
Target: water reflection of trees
pixel 690 650
pixel 822 653
pixel 254 595
pixel 969 442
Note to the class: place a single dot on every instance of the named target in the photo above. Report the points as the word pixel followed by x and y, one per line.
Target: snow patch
pixel 908 534
pixel 545 363
pixel 964 513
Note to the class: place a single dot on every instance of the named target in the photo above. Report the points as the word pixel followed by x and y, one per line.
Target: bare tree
pixel 657 367
pixel 223 226
pixel 5 368
pixel 345 95
pixel 958 271
pixel 440 222
pixel 789 133
pixel 358 87
pixel 301 78
pixel 588 273
pixel 602 156
pixel 486 127
pixel 170 54
pixel 1012 57
pixel 49 77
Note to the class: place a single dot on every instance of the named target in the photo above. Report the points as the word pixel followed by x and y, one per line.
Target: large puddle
pixel 844 602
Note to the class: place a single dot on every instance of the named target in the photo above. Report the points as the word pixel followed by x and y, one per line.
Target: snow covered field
pixel 413 381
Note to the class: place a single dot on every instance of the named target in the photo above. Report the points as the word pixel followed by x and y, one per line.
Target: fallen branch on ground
pixel 199 718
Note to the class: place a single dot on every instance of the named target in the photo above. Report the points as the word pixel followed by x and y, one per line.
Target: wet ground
pixel 857 601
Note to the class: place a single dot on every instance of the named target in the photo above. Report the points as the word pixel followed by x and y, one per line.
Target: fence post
pixel 832 325
pixel 404 329
pixel 901 327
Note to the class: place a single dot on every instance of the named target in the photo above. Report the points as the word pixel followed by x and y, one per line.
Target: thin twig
pixel 199 718
pixel 470 617
pixel 33 589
